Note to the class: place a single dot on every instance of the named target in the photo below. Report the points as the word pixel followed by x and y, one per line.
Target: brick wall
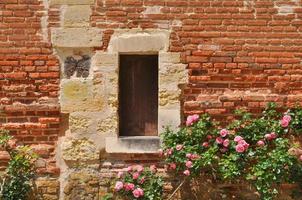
pixel 239 53
pixel 29 78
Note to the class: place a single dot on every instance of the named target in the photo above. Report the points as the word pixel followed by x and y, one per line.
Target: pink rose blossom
pixel 260 143
pixel 172 166
pixel 244 144
pixel 219 140
pixel 209 137
pixel 179 147
pixel 284 123
pixel 169 151
pixel 118 186
pixel 12 143
pixel 191 119
pixel 300 157
pixel 139 168
pixel 224 132
pixel 161 152
pixel 189 155
pixel 238 138
pixel 138 193
pixel 268 136
pixel 189 164
pixel 287 118
pixel 195 156
pixel 273 135
pixel 129 169
pixel 240 148
pixel 120 174
pixel 226 142
pixel 153 168
pixel 135 175
pixel 187 173
pixel 129 186
pixel 205 144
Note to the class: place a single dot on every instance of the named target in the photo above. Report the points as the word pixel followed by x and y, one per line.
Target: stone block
pixel 169 57
pixel 71 2
pixel 105 62
pixel 174 74
pixel 77 16
pixel 140 144
pixel 80 95
pixel 137 41
pixel 168 117
pixel 79 150
pixel 76 37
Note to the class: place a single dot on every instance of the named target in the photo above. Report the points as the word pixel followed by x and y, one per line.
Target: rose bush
pixel 138 183
pixel 263 151
pixel 252 149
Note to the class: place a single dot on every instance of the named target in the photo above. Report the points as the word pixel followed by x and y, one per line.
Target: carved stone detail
pixel 81 66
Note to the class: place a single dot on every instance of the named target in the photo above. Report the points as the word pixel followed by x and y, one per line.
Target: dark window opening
pixel 138 95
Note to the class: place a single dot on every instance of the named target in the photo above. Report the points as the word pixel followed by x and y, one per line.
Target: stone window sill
pixel 133 145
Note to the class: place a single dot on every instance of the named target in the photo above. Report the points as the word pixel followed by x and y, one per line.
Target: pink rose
pixel 191 119
pixel 169 151
pixel 139 168
pixel 244 144
pixel 268 136
pixel 205 144
pixel 161 152
pixel 129 169
pixel 120 174
pixel 189 155
pixel 226 142
pixel 240 148
pixel 118 186
pixel 300 157
pixel 260 143
pixel 129 186
pixel 179 147
pixel 238 138
pixel 224 132
pixel 138 193
pixel 189 164
pixel 195 156
pixel 219 140
pixel 273 135
pixel 284 123
pixel 135 175
pixel 172 166
pixel 187 173
pixel 287 118
pixel 209 137
pixel 153 168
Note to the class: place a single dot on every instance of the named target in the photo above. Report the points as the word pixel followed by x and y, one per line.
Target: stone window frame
pixel 172 74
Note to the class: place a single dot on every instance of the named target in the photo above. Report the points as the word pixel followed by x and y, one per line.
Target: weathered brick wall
pixel 29 78
pixel 239 53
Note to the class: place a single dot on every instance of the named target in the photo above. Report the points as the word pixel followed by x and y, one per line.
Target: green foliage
pixel 255 149
pixel 16 181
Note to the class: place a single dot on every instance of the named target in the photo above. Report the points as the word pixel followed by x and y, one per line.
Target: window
pixel 138 95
